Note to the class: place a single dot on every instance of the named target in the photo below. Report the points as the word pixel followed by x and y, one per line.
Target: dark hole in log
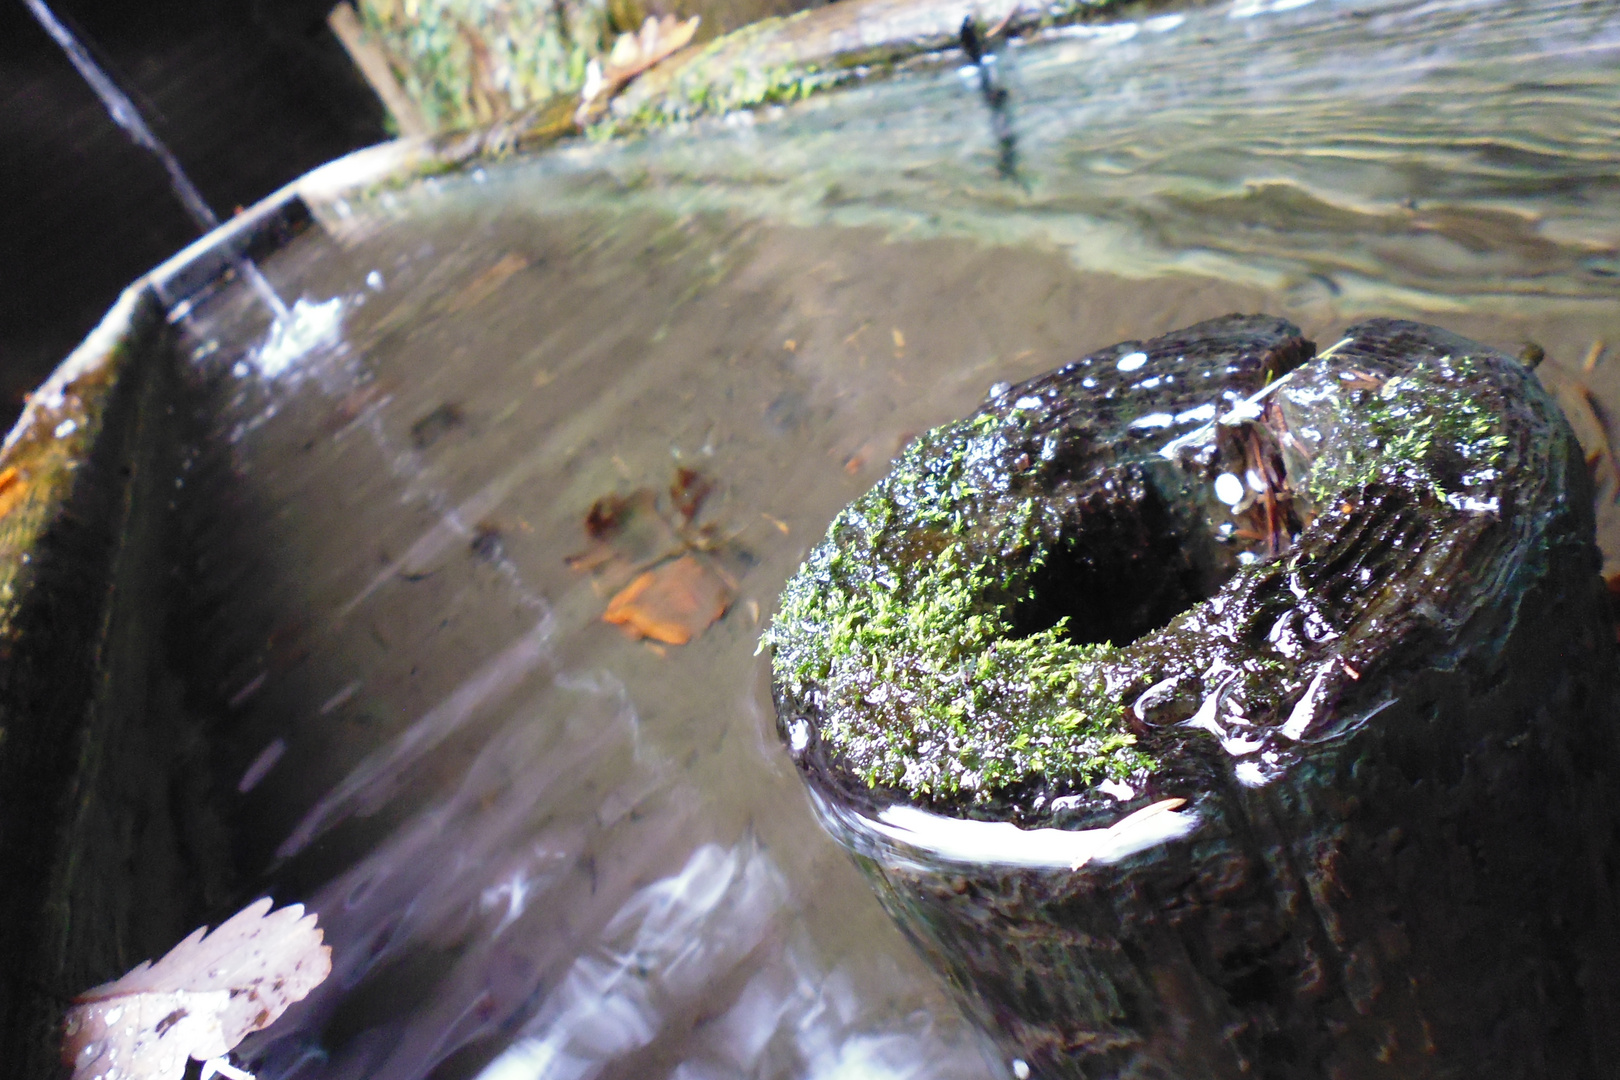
pixel 1123 571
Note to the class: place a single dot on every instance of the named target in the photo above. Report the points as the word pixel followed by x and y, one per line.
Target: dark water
pixel 542 850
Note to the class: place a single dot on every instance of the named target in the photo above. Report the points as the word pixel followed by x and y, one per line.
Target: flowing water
pixel 540 849
pixel 124 113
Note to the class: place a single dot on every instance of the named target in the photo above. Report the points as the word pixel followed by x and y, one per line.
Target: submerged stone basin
pixel 1205 709
pixel 287 610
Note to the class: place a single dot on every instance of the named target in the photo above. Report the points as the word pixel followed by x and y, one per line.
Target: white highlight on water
pixel 308 326
pixel 1304 711
pixel 1000 843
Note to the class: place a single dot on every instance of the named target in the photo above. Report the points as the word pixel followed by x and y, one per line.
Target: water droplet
pixel 1228 489
pixel 1020 1069
pixel 1130 362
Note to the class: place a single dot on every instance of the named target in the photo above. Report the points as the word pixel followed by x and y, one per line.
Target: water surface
pixel 540 849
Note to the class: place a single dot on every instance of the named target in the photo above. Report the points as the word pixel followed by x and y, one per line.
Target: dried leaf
pixel 592 558
pixel 607 515
pixel 13 488
pixel 1585 417
pixel 634 53
pixel 1593 355
pixel 672 603
pixel 633 526
pixel 484 285
pixel 688 490
pixel 630 56
pixel 200 999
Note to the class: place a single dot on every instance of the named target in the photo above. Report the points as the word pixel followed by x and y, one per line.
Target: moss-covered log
pixel 1210 708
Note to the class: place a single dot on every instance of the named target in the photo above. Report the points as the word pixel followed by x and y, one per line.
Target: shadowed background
pixel 249 96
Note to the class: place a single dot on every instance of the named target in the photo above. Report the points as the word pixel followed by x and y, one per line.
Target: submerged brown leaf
pixel 608 514
pixel 672 603
pixel 13 486
pixel 688 490
pixel 664 571
pixel 484 285
pixel 200 999
pixel 1586 418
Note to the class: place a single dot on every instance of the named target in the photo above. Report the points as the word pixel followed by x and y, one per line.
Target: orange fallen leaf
pixel 672 603
pixel 12 489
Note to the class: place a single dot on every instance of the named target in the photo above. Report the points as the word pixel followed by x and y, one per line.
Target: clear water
pixel 542 850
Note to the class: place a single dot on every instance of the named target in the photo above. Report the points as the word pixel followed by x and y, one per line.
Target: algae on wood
pixel 1346 607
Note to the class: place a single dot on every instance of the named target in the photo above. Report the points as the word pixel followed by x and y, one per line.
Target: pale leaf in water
pixel 199 1000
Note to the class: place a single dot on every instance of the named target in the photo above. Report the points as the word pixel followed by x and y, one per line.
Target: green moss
pixel 467 64
pixel 728 75
pixel 1425 429
pixel 900 621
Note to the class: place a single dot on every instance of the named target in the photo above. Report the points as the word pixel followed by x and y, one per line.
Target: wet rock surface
pixel 1287 677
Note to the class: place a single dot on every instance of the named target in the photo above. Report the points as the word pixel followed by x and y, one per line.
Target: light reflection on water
pixel 540 850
